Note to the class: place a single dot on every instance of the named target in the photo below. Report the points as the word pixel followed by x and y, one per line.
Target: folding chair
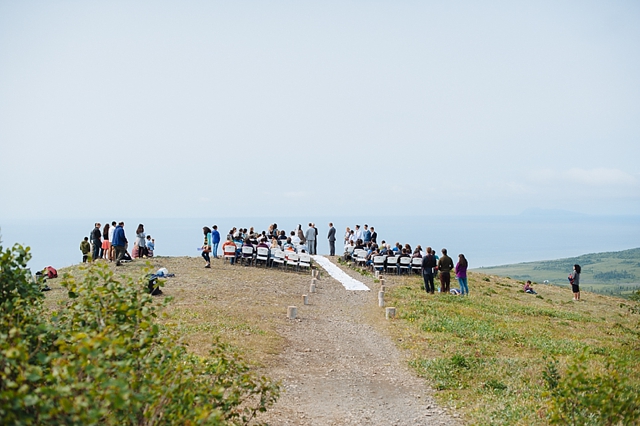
pixel 262 256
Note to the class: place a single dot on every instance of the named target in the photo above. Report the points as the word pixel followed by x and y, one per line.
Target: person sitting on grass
pixel 528 289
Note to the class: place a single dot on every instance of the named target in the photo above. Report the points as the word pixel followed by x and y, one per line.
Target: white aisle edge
pixel 337 273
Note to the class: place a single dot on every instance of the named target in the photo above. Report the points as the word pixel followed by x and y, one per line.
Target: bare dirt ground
pixel 340 369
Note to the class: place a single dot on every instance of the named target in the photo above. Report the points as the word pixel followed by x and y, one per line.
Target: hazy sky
pixel 176 109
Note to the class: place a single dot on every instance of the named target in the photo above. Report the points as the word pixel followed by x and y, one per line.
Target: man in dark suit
pixel 332 240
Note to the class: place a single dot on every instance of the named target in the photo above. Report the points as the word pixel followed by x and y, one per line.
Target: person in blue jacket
pixel 215 239
pixel 119 242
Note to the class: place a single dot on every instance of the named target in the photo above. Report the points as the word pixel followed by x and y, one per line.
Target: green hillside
pixel 615 273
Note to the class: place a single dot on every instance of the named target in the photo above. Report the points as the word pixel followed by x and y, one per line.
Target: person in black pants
pixel 428 270
pixel 96 240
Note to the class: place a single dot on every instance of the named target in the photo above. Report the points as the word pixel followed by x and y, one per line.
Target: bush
pixel 582 397
pixel 102 359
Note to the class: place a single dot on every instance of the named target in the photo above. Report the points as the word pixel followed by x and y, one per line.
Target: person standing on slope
pixel 574 279
pixel 428 269
pixel 461 274
pixel 445 265
pixel 311 238
pixel 332 239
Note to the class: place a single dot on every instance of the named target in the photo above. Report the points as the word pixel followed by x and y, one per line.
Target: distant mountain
pixel 551 212
pixel 611 268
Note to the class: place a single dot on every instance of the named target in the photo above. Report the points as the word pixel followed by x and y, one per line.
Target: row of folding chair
pixel 388 263
pixel 286 259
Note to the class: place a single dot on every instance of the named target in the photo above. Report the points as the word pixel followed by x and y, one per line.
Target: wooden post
pixel 305 299
pixel 312 288
pixel 381 280
pixel 292 312
pixel 381 299
pixel 390 313
pixel 383 288
pixel 376 274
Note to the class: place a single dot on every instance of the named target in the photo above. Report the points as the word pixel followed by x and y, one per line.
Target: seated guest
pixel 151 246
pixel 295 240
pixel 348 250
pixel 417 253
pixel 230 242
pixel 359 245
pixel 404 253
pixel 528 289
pixel 397 248
pixel 407 247
pixel 288 245
pixel 274 244
pixel 282 236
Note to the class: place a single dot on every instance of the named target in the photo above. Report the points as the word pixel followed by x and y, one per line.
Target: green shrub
pixel 584 397
pixel 102 359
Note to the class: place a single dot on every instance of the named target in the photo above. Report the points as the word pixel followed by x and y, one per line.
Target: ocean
pixel 484 240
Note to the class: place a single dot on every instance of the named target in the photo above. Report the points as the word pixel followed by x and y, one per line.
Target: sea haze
pixel 485 240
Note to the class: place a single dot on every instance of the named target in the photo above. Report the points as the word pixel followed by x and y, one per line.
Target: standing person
pixel 96 242
pixel 358 233
pixel 574 279
pixel 461 274
pixel 445 265
pixel 315 242
pixel 106 245
pixel 428 270
pixel 366 235
pixel 311 238
pixel 332 239
pixel 374 235
pixel 111 249
pixel 119 242
pixel 303 240
pixel 141 241
pixel 347 236
pixel 215 240
pixel 85 248
pixel 206 246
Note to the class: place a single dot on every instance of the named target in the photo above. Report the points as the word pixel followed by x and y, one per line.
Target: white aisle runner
pixel 337 273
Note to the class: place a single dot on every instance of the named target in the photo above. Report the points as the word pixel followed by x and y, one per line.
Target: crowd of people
pixel 297 240
pixel 110 243
pixel 366 240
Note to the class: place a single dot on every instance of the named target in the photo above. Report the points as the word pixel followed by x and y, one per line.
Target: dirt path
pixel 340 370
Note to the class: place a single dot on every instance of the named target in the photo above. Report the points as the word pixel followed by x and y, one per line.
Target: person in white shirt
pixel 358 233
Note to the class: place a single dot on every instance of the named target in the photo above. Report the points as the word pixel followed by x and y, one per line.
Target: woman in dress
pixel 574 279
pixel 141 241
pixel 461 274
pixel 106 245
pixel 303 239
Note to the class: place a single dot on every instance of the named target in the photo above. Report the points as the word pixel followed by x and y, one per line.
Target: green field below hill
pixel 612 273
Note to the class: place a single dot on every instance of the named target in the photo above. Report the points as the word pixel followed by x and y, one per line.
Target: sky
pixel 253 108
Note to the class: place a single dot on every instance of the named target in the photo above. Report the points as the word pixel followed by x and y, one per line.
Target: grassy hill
pixel 614 273
pixel 490 356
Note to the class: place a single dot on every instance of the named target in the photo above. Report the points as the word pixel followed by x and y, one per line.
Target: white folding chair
pixel 404 264
pixel 378 262
pixel 392 264
pixel 292 259
pixel 416 265
pixel 278 258
pixel 247 254
pixel 304 260
pixel 229 253
pixel 262 256
pixel 361 257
